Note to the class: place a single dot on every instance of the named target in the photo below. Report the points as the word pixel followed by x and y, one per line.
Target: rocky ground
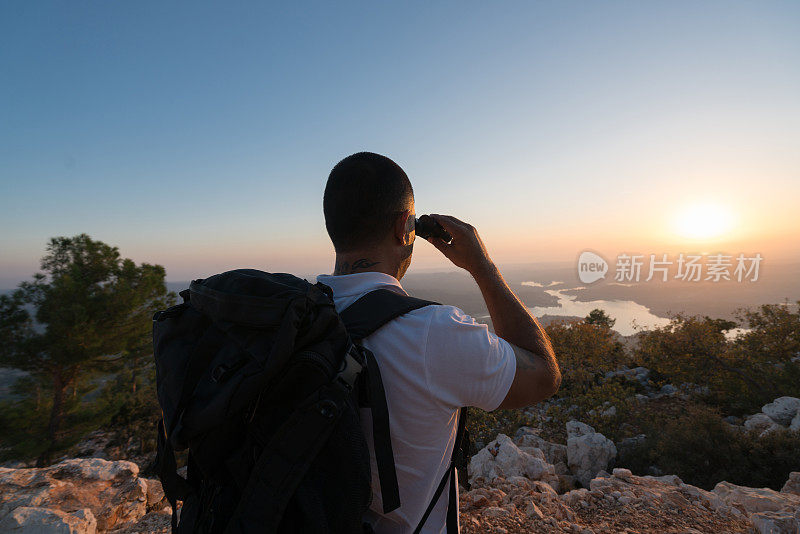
pixel 80 496
pixel 519 484
pixel 524 494
pixel 528 485
pixel 626 504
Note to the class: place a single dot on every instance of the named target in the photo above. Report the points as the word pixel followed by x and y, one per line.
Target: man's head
pixel 369 208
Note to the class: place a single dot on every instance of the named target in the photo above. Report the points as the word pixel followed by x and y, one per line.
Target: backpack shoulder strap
pixel 376 308
pixel 459 456
pixel 362 318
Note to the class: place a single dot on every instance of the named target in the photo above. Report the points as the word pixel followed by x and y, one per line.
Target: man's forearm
pixel 537 374
pixel 511 319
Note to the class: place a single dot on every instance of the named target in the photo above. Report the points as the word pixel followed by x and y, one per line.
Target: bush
pixel 695 350
pixel 585 348
pixel 703 450
pixel 589 405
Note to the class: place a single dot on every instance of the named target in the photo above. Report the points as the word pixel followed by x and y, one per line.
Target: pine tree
pixel 86 314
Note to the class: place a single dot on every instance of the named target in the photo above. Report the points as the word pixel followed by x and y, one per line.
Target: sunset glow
pixel 704 221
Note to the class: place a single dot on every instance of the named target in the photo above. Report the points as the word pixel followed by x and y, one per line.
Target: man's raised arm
pixel 537 376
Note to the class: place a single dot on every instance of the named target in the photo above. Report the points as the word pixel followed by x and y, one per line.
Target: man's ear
pixel 404 228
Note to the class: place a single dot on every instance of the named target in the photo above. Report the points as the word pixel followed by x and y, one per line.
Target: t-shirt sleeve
pixel 466 365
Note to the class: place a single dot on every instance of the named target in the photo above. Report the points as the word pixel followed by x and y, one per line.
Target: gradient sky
pixel 199 135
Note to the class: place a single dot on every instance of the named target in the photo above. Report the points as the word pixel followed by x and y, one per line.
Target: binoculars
pixel 425 226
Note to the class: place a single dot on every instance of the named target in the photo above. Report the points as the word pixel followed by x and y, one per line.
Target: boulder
pixel 502 458
pixel 111 490
pixel 554 453
pixel 156 500
pixel 753 500
pixel 622 473
pixel 782 410
pixel 609 412
pixel 533 451
pixel 577 429
pixel 637 374
pixel 667 390
pixel 775 522
pixel 793 484
pixel 672 480
pixel 640 374
pixel 761 423
pixel 36 520
pixel 795 424
pixel 574 498
pixel 155 522
pixel 588 452
pixel 94 469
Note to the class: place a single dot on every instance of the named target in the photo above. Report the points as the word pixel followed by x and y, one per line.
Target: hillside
pixel 517 486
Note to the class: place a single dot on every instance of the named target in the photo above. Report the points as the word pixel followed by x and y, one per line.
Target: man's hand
pixel 466 250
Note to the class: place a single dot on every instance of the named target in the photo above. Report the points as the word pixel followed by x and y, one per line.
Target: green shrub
pixel 588 406
pixel 703 450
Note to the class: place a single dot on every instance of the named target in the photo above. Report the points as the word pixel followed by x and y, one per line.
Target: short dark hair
pixel 364 195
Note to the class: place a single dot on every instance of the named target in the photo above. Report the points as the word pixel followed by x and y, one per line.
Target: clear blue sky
pixel 199 135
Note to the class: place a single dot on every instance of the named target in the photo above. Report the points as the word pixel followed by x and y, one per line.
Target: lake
pixel 630 316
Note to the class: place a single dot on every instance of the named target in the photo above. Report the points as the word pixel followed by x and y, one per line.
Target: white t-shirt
pixel 433 361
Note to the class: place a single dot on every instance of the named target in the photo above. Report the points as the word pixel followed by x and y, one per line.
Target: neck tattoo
pixel 344 267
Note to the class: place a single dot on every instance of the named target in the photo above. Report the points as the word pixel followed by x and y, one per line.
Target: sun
pixel 703 221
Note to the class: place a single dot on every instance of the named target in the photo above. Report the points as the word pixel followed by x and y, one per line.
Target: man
pixel 436 359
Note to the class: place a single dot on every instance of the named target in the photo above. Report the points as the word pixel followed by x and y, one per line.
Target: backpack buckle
pixel 350 369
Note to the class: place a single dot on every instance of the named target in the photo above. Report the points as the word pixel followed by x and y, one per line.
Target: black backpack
pixel 261 380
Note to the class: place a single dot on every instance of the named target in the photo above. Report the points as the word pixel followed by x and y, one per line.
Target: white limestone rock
pixel 795 424
pixel 111 490
pixel 554 453
pixel 667 390
pixel 36 520
pixel 761 423
pixel 753 500
pixel 775 522
pixel 588 452
pixel 782 410
pixel 622 473
pixel 95 469
pixel 609 412
pixel 792 484
pixel 156 499
pixel 502 458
